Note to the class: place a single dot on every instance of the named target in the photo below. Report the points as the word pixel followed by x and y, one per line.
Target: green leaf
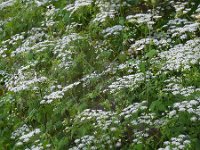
pixel 142 67
pixel 151 53
pixel 139 147
pixel 157 106
pixel 121 20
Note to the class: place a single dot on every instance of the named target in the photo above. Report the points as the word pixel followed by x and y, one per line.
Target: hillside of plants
pixel 99 75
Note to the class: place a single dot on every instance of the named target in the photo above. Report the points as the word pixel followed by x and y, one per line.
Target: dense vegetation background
pixel 99 74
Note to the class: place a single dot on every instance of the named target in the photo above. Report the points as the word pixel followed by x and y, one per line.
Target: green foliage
pixel 99 74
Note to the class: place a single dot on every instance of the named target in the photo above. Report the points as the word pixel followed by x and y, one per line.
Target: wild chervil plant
pixel 99 74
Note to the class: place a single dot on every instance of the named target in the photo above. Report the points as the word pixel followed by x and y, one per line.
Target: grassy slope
pixel 63 62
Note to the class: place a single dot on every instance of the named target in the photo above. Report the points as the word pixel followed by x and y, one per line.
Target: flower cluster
pixel 141 19
pixel 72 26
pixel 78 4
pixel 33 42
pixel 40 2
pixel 62 49
pixel 132 109
pixel 191 107
pixel 107 9
pixel 13 41
pixel 183 32
pixel 24 80
pixel 49 16
pixel 181 8
pixel 58 94
pixel 94 142
pixel 115 30
pixel 6 4
pixel 181 56
pixel 20 131
pixel 23 135
pixel 131 81
pixel 26 137
pixel 176 89
pixel 84 143
pixel 140 45
pixel 177 143
pixel 102 119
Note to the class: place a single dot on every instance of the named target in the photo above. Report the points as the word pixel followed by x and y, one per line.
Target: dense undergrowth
pixel 99 74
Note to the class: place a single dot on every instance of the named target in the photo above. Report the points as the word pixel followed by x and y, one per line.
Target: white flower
pixel 118 144
pixel 186 142
pixel 172 113
pixel 193 102
pixel 6 4
pixel 193 119
pixel 112 30
pixel 19 143
pixel 182 109
pixel 113 129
